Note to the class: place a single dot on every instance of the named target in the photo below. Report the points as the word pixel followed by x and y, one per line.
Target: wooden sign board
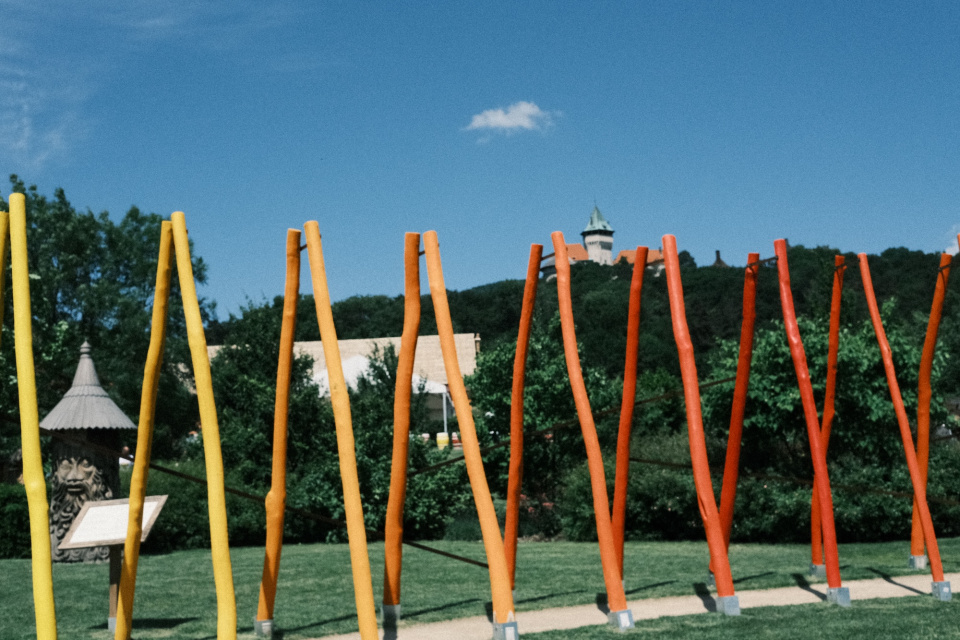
pixel 103 523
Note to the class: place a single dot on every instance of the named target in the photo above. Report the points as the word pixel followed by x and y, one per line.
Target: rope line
pixel 374 534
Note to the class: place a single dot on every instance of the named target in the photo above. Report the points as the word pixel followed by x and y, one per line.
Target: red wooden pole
pixel 924 393
pixel 731 467
pixel 617 600
pixel 697 440
pixel 829 397
pixel 515 477
pixel 919 491
pixel 627 404
pixel 821 477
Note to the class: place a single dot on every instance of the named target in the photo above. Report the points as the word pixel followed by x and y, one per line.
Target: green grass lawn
pixel 176 598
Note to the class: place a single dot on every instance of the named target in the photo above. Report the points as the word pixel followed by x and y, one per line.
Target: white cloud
pixel 520 116
pixel 952 248
pixel 45 91
pixel 39 118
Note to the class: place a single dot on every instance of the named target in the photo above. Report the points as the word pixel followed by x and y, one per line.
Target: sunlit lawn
pixel 176 598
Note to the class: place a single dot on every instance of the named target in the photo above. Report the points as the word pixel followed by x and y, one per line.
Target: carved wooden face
pixel 78 475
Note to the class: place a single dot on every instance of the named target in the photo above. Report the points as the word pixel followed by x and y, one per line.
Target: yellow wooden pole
pixel 503 611
pixel 216 497
pixel 340 399
pixel 33 479
pixel 141 462
pixel 277 496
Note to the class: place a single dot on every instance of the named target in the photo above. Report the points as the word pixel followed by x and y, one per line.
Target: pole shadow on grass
pixel 602 603
pixel 151 623
pixel 701 590
pixel 278 633
pixel 753 577
pixel 449 605
pixel 548 596
pixel 648 586
pixel 887 577
pixel 804 584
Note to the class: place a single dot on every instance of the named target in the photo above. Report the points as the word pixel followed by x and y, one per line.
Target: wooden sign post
pixel 103 523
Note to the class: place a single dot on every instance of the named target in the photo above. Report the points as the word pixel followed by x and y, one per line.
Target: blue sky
pixel 726 124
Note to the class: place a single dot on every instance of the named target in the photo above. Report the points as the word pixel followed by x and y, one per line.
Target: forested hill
pixel 902 278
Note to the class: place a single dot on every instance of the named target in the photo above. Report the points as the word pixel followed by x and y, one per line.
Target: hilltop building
pixel 598 247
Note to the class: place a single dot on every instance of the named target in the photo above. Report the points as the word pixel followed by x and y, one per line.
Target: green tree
pixel 548 401
pixel 865 430
pixel 244 376
pixel 93 279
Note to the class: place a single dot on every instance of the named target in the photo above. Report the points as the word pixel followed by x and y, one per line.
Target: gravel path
pixel 478 627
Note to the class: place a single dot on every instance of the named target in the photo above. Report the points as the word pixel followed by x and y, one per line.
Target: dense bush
pixel 14 522
pixel 662 500
pixel 184 522
pixel 244 387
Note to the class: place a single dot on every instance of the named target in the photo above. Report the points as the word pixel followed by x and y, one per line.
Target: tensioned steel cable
pixel 377 535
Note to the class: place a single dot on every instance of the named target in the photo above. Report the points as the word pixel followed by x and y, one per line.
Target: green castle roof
pixel 597 223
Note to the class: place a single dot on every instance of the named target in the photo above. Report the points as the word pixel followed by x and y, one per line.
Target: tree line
pixel 92 278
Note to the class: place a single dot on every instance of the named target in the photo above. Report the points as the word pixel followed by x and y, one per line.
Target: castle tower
pixel 598 238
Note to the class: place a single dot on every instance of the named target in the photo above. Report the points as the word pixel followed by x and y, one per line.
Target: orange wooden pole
pixel 731 467
pixel 503 611
pixel 616 598
pixel 829 398
pixel 141 461
pixel 821 477
pixel 515 476
pixel 627 404
pixel 924 393
pixel 393 529
pixel 919 491
pixel 277 496
pixel 697 440
pixel 346 448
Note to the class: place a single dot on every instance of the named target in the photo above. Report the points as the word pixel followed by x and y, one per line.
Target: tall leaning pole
pixel 346 448
pixel 836 592
pixel 276 499
pixel 213 458
pixel 141 461
pixel 33 479
pixel 403 391
pixel 727 601
pixel 620 617
pixel 504 616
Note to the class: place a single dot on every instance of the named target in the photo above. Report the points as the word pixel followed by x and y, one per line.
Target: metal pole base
pixel 818 571
pixel 728 605
pixel 941 591
pixel 505 631
pixel 112 622
pixel 621 620
pixel 918 562
pixel 839 596
pixel 389 615
pixel 263 628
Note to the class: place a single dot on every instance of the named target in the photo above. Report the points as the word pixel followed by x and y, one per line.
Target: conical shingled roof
pixel 597 224
pixel 86 405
